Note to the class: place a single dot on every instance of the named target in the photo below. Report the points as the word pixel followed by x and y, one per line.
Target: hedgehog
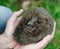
pixel 34 26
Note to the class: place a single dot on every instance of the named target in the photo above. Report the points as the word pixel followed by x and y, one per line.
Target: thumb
pixel 12 23
pixel 18 21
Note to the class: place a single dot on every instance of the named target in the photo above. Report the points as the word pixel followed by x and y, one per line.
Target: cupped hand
pixel 6 39
pixel 40 45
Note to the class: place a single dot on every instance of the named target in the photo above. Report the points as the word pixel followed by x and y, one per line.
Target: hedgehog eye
pixel 39 21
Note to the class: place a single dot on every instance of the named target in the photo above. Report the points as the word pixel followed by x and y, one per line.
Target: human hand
pixel 6 39
pixel 40 45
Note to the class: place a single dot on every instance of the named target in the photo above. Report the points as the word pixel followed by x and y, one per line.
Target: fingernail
pixel 21 10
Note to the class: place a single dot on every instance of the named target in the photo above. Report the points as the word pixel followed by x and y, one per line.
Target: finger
pixel 17 21
pixel 44 42
pixel 53 32
pixel 10 45
pixel 47 39
pixel 17 47
pixel 15 15
pixel 30 46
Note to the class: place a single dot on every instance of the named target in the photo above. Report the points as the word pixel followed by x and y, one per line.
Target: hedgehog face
pixel 35 24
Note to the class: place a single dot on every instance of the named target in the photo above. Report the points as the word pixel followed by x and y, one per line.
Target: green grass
pixel 53 6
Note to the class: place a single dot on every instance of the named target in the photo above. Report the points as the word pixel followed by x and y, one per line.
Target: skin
pixel 7 41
